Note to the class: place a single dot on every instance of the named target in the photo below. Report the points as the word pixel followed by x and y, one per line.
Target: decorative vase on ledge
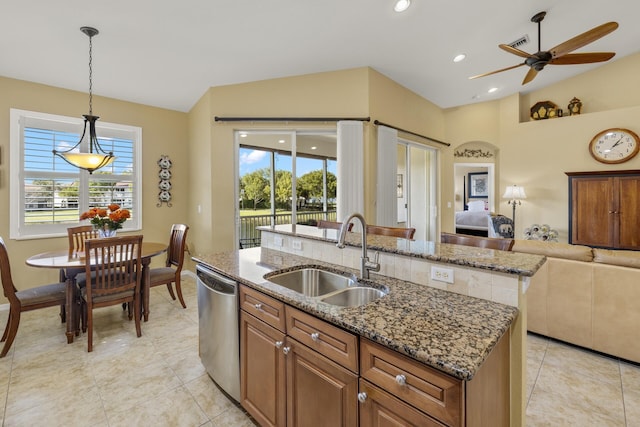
pixel 106 232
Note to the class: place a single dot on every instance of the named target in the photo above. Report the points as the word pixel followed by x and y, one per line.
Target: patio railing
pixel 250 237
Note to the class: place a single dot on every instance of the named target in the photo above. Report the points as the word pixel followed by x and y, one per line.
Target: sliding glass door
pixel 417 189
pixel 284 177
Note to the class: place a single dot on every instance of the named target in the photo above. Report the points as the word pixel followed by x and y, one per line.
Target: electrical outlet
pixel 442 274
pixel 296 244
pixel 277 241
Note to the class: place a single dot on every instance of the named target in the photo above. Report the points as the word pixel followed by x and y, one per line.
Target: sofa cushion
pixel 622 258
pixel 555 250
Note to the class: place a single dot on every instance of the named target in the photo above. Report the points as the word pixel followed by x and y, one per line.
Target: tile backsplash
pixel 498 287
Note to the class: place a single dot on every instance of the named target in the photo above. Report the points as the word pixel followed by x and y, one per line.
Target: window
pixel 48 194
pixel 272 167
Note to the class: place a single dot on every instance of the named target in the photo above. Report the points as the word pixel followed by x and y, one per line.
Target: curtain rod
pixel 377 122
pixel 289 119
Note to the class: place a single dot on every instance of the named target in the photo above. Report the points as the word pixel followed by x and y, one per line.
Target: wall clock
pixel 614 145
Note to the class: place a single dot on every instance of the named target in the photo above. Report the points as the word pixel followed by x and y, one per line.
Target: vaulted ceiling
pixel 168 53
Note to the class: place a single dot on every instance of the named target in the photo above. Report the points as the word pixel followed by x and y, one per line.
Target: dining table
pixel 72 261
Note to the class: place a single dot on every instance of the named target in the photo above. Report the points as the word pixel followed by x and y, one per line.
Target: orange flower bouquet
pixel 111 218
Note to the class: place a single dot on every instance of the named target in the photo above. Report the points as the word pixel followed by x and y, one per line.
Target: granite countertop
pixel 450 332
pixel 521 264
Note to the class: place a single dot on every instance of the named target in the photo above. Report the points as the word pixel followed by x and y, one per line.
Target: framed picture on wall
pixel 479 184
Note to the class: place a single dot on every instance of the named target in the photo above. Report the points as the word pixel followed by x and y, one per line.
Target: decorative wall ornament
pixel 575 107
pixel 544 110
pixel 164 196
pixel 473 153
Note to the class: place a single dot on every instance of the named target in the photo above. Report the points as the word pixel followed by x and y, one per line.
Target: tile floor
pixel 158 379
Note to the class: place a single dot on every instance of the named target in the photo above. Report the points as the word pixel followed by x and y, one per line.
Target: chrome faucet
pixel 365 264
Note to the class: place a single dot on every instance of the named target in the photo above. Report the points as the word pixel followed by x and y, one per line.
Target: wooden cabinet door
pixel 262 371
pixel 604 209
pixel 592 219
pixel 628 213
pixel 319 391
pixel 381 409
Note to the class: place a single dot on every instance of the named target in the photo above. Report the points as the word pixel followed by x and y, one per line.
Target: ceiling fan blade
pixel 514 51
pixel 530 76
pixel 496 71
pixel 582 58
pixel 583 39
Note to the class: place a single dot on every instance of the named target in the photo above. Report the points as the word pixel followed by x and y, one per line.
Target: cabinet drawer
pixel 427 389
pixel 378 407
pixel 265 308
pixel 338 345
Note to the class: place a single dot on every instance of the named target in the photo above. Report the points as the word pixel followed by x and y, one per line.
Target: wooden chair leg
pixel 130 312
pixel 179 292
pixel 170 288
pixel 6 328
pixel 63 314
pixel 90 328
pixel 12 330
pixel 83 315
pixel 137 311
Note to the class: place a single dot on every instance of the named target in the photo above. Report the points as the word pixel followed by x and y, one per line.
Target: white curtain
pixel 350 191
pixel 386 189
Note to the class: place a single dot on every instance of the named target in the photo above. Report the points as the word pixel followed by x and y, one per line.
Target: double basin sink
pixel 329 287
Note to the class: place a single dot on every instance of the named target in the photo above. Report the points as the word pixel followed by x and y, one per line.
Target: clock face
pixel 614 145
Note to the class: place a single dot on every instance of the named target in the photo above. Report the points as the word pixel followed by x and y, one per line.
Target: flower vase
pixel 106 232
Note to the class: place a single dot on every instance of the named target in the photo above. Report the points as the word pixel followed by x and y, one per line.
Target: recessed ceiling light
pixel 459 57
pixel 493 89
pixel 281 141
pixel 314 147
pixel 402 5
pixel 243 134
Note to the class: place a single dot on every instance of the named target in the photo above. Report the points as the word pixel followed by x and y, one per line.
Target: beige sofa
pixel 586 296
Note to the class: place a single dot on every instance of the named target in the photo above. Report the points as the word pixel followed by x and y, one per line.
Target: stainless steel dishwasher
pixel 219 343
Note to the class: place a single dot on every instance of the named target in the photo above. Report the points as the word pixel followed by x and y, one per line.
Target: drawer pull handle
pixel 362 397
pixel 315 336
pixel 286 350
pixel 401 379
pixel 258 306
pixel 278 344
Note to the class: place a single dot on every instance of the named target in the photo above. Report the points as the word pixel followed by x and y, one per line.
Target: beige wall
pixel 536 154
pixel 163 132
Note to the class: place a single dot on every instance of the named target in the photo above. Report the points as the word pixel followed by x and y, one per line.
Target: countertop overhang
pixel 450 332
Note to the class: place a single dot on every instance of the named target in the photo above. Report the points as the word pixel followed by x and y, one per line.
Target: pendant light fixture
pixel 96 157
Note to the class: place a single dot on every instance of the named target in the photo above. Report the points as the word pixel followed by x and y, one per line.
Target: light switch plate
pixel 296 244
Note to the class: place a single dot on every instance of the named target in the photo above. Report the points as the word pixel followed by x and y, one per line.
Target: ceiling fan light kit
pixel 560 54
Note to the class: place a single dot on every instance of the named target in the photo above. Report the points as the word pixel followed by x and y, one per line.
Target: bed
pixel 478 221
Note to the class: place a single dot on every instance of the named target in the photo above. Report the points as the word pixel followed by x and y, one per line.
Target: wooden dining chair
pixel 477 241
pixel 333 225
pixel 406 233
pixel 170 273
pixel 113 277
pixel 76 236
pixel 25 300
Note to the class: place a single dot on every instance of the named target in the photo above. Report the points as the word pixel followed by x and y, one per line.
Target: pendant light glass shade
pixel 96 158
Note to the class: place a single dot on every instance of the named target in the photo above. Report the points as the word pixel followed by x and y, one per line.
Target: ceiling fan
pixel 561 54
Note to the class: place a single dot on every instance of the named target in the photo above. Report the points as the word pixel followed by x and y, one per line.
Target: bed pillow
pixel 476 206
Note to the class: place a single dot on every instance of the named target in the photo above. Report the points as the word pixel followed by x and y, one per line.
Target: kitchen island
pixel 450 332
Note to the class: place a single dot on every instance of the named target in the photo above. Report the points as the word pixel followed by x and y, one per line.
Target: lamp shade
pixel 514 192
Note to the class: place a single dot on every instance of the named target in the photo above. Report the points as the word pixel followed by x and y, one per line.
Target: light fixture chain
pixel 90 75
